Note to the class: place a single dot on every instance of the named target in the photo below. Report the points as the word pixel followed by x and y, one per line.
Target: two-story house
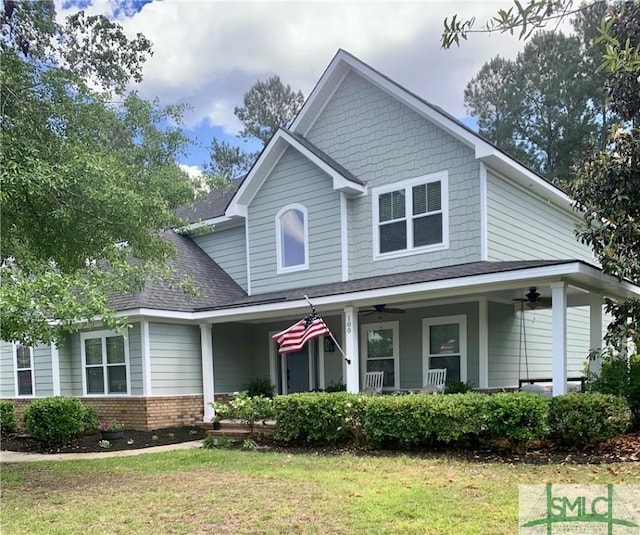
pixel 420 244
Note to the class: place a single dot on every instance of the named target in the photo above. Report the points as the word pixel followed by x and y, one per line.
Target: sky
pixel 207 54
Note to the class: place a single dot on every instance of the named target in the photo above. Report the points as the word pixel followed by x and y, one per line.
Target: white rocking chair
pixel 373 382
pixel 434 381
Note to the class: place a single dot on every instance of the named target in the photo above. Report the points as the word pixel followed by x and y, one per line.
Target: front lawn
pixel 231 491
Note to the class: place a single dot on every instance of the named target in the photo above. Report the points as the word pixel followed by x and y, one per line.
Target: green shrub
pixel 589 418
pixel 8 422
pixel 422 420
pixel 55 420
pixel 457 387
pixel 336 387
pixel 620 377
pixel 260 386
pixel 210 442
pixel 319 417
pixel 90 419
pixel 518 416
pixel 248 409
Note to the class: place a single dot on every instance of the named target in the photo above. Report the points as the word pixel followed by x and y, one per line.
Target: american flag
pixel 295 337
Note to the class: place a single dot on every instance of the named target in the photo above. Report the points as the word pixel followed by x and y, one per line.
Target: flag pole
pixel 313 309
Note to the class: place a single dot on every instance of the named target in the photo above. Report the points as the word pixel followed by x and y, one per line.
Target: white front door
pixel 444 345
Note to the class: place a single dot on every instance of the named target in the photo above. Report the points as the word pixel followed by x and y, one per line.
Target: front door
pixel 296 368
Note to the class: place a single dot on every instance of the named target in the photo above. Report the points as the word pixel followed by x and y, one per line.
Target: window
pixel 445 346
pixel 292 239
pixel 24 370
pixel 411 216
pixel 379 343
pixel 105 357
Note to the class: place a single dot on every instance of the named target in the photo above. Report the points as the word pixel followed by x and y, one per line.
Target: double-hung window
pixel 292 238
pixel 24 370
pixel 411 216
pixel 105 357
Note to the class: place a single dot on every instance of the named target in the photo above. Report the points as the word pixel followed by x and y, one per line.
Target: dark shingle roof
pixel 389 281
pixel 214 205
pixel 217 288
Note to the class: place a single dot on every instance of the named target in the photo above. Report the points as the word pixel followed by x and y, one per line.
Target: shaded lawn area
pixel 232 491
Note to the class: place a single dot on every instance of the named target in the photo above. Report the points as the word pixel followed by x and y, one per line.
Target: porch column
pixel 483 340
pixel 146 357
pixel 55 368
pixel 206 348
pixel 595 331
pixel 350 317
pixel 559 337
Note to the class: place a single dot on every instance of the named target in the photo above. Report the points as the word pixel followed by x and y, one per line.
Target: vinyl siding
pixel 7 370
pixel 295 180
pixel 382 141
pixel 228 248
pixel 43 372
pixel 66 352
pixel 233 357
pixel 135 360
pixel 520 225
pixel 176 366
pixel 41 363
pixel 507 362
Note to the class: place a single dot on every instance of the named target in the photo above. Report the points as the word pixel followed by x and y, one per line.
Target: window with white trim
pixel 105 359
pixel 411 216
pixel 292 238
pixel 380 351
pixel 445 346
pixel 24 370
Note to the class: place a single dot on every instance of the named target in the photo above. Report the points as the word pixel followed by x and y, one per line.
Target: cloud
pixel 208 54
pixel 192 170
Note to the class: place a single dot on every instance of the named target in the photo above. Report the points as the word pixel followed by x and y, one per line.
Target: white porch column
pixel 595 331
pixel 146 357
pixel 206 345
pixel 483 339
pixel 559 337
pixel 55 368
pixel 350 318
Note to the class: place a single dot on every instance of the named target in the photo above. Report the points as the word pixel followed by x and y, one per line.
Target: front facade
pixel 416 240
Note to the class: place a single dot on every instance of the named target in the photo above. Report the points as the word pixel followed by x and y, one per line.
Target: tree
pixel 88 175
pixel 268 105
pixel 606 186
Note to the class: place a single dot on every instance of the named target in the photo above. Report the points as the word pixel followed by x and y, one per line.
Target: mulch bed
pixel 625 448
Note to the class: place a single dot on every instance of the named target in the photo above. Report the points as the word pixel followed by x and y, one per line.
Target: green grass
pixel 231 491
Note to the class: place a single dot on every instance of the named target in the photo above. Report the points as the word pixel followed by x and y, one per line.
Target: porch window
pixel 445 346
pixel 411 216
pixel 292 239
pixel 380 348
pixel 105 358
pixel 24 370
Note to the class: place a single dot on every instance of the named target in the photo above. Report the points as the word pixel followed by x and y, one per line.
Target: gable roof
pixel 215 285
pixel 212 206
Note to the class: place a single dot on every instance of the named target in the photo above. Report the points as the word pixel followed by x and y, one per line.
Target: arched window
pixel 292 238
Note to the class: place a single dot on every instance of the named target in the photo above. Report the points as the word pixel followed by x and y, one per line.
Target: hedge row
pixel 418 421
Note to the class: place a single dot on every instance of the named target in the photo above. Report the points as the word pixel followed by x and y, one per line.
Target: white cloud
pixel 208 54
pixel 192 170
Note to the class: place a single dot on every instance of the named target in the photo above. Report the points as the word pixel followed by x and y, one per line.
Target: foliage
pixel 248 409
pixel 336 387
pixel 8 422
pixel 227 161
pixel 268 105
pixel 588 418
pixel 90 418
pixel 420 420
pixel 105 444
pixel 619 376
pixel 55 420
pixel 249 444
pixel 260 386
pixel 328 418
pixel 210 442
pixel 88 176
pixel 457 387
pixel 518 416
pixel 111 425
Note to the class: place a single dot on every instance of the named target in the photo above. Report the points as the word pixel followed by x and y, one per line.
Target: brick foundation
pixel 141 412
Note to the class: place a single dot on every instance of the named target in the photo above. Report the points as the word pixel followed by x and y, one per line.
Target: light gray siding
pixel 295 180
pixel 176 366
pixel 228 248
pixel 135 360
pixel 333 361
pixel 43 372
pixel 233 357
pixel 7 370
pixel 507 362
pixel 521 226
pixel 67 351
pixel 382 141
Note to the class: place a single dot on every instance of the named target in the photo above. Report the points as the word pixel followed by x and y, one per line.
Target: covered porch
pixel 480 325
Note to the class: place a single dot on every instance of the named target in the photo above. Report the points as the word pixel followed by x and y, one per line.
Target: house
pixel 421 245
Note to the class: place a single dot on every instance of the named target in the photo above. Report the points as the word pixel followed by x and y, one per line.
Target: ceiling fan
pixel 380 310
pixel 533 299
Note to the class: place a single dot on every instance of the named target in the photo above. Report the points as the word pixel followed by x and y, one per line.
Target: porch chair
pixel 373 382
pixel 434 381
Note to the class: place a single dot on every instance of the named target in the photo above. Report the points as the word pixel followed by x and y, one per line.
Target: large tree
pixel 606 185
pixel 268 105
pixel 88 176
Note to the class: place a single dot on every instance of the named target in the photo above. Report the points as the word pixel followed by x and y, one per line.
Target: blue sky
pixel 207 54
